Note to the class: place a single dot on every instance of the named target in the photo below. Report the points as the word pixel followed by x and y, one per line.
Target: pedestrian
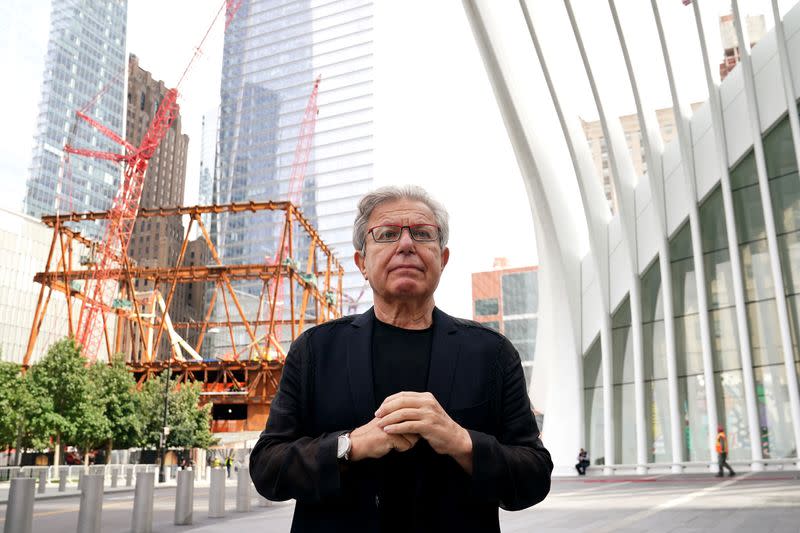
pixel 228 464
pixel 722 452
pixel 402 418
pixel 583 462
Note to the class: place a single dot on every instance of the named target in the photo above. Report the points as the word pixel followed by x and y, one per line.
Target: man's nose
pixel 405 242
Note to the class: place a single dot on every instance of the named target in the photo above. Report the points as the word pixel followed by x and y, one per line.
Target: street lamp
pixel 165 428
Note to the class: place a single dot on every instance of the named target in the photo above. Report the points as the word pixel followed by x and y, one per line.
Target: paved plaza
pixel 764 502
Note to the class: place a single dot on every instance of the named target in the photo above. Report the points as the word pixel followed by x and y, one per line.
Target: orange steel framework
pixel 246 375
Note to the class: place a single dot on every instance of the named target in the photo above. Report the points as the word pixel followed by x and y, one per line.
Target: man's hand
pixel 420 413
pixel 371 441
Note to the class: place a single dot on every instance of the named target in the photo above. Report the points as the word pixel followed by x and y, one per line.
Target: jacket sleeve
pixel 285 462
pixel 512 467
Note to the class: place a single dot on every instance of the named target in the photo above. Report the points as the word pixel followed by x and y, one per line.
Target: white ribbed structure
pixel 726 259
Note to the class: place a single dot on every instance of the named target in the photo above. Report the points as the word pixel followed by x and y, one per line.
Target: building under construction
pixel 300 289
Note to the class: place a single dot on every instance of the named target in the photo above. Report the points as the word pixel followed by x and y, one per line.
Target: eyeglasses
pixel 392 232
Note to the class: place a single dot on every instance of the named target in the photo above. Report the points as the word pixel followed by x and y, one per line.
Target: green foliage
pixel 62 399
pixel 189 424
pixel 10 416
pixel 61 381
pixel 117 397
pixel 22 413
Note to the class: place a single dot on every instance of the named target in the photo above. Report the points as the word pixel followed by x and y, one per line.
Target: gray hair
pixel 390 194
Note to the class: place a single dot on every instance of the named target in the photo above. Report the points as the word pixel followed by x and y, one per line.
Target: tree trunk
pixel 86 459
pixel 109 448
pixel 57 452
pixel 18 449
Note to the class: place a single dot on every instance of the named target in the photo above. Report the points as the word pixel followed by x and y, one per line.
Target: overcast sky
pixel 436 120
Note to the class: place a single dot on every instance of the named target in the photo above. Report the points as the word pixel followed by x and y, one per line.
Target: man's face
pixel 405 269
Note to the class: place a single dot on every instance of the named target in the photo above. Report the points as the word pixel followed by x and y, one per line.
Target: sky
pixel 437 123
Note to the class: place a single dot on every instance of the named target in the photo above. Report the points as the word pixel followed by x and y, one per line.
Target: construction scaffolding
pixel 301 289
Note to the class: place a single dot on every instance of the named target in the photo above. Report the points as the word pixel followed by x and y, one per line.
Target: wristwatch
pixel 343 447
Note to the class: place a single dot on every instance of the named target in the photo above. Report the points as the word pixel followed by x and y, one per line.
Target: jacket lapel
pixel 444 356
pixel 359 366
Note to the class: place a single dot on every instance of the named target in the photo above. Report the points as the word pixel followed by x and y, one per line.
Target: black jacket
pixel 326 389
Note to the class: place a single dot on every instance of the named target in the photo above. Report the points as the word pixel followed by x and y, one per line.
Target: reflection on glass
pixel 724 339
pixel 520 293
pixel 779 150
pixel 659 442
pixel 684 287
pixel 756 271
pixel 731 407
pixel 748 214
pixel 624 424
pixel 694 417
pixel 719 283
pixel 765 342
pixel 774 415
pixel 655 350
pixel 687 345
pixel 789 249
pixel 785 192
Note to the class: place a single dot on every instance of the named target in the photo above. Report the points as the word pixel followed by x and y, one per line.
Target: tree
pixel 23 418
pixel 61 379
pixel 10 385
pixel 118 397
pixel 190 425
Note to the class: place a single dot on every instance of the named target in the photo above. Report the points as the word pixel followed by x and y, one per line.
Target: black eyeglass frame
pixel 410 232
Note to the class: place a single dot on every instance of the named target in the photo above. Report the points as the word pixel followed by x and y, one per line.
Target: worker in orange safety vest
pixel 722 452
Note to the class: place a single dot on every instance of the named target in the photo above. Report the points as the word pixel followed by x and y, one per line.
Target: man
pixel 402 418
pixel 722 452
pixel 583 462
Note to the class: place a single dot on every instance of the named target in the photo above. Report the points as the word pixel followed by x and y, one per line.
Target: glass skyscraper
pixel 274 50
pixel 85 66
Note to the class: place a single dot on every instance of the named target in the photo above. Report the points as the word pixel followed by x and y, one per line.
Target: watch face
pixel 342 446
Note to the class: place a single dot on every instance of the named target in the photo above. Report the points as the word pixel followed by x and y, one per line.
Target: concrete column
pixel 63 477
pixel 243 490
pixel 19 514
pixel 216 494
pixel 91 509
pixel 42 480
pixel 143 503
pixel 114 476
pixel 184 498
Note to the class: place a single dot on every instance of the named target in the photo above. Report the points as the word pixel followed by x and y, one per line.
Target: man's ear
pixel 445 256
pixel 360 263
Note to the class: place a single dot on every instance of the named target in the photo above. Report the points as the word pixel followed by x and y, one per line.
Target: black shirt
pixel 400 362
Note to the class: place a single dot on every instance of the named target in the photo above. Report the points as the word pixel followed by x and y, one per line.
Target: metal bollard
pixel 63 476
pixel 243 490
pixel 129 476
pixel 19 514
pixel 216 494
pixel 184 498
pixel 143 503
pixel 42 480
pixel 114 477
pixel 91 510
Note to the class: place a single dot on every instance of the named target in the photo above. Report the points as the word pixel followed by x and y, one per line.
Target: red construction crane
pixel 301 155
pixel 100 290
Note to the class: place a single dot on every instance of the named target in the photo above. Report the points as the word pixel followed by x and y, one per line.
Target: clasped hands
pixel 404 418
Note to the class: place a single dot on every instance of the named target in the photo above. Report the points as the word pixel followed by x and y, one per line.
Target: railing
pixel 791 464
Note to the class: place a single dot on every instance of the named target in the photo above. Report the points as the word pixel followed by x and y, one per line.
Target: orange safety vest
pixel 722 442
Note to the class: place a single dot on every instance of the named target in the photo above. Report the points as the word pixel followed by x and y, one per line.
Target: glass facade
pixel 85 66
pixel 520 303
pixel 273 52
pixel 768 369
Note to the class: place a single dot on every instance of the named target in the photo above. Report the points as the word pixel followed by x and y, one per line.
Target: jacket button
pixel 377 501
